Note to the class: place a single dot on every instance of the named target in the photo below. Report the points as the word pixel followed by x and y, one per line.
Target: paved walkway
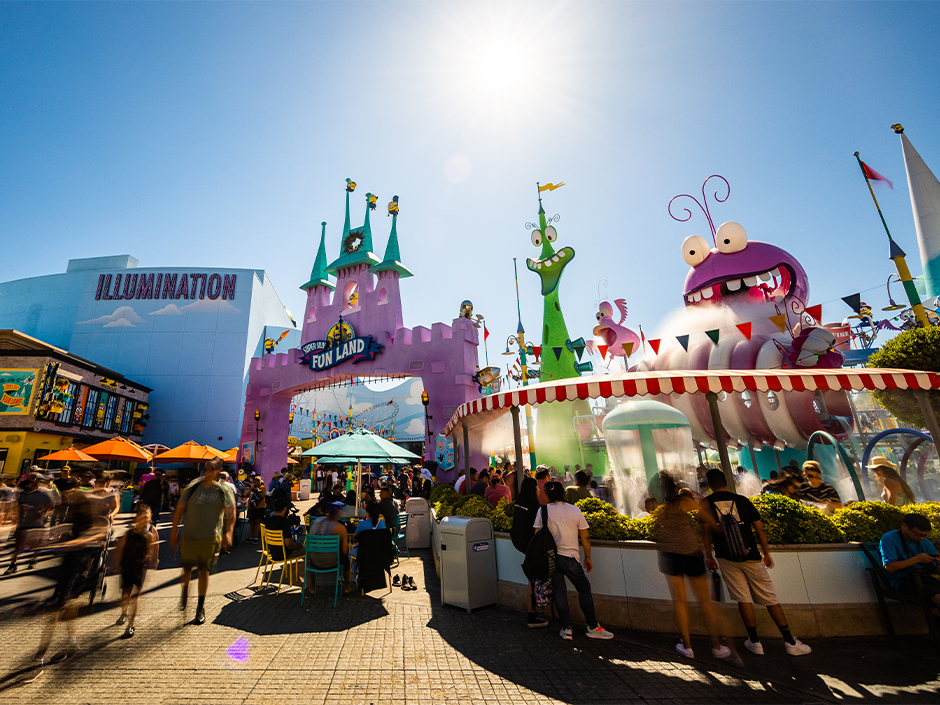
pixel 401 648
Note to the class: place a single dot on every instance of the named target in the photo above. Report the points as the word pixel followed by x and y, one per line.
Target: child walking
pixel 136 551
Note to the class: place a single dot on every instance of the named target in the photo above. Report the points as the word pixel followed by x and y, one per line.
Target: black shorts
pixel 931 587
pixel 256 513
pixel 681 564
pixel 133 576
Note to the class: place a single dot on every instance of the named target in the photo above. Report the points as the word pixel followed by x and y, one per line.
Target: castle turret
pixel 319 276
pixel 392 261
pixel 356 247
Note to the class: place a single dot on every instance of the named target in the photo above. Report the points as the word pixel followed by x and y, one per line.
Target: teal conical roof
pixel 318 276
pixel 392 261
pixel 356 247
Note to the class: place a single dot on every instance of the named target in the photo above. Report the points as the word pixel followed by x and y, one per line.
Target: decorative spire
pixel 356 245
pixel 350 187
pixel 392 261
pixel 318 276
pixel 925 203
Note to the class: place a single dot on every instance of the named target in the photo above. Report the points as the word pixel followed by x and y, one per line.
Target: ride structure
pixel 353 329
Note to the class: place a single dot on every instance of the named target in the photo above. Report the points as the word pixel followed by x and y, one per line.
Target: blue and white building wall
pixel 190 342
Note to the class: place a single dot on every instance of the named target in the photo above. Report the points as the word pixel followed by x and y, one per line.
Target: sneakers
pixel 404 582
pixel 721 652
pixel 200 616
pixel 566 633
pixel 128 633
pixel 396 581
pixel 599 632
pixel 11 570
pixel 797 648
pixel 534 621
pixel 411 583
pixel 754 647
pixel 688 653
pixel 121 619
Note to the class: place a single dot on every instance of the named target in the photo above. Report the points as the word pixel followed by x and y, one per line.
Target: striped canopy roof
pixel 633 384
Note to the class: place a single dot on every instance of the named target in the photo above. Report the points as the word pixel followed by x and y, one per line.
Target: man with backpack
pixel 566 524
pixel 742 566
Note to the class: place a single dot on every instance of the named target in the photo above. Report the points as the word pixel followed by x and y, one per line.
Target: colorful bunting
pixel 630 348
pixel 713 334
pixel 655 345
pixel 557 352
pixel 537 349
pixel 745 329
pixel 683 341
pixel 854 302
pixel 815 312
pixel 602 349
pixel 780 321
pixel 578 350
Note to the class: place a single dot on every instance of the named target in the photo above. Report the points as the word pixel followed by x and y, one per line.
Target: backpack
pixel 734 540
pixel 539 563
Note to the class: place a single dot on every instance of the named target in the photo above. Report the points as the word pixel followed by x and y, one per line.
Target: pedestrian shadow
pixel 260 610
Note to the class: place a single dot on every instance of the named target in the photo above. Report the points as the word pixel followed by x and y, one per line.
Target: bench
pixel 881 581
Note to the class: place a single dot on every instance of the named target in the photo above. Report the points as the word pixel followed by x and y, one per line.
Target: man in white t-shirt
pixel 566 524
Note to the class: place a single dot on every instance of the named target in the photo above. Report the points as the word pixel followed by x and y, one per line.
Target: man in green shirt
pixel 209 508
pixel 580 489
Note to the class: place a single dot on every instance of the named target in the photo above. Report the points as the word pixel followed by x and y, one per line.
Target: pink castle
pixel 367 299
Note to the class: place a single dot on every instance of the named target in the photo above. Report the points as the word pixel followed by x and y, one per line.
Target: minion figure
pixel 393 206
pixel 371 198
pixel 350 185
pixel 466 308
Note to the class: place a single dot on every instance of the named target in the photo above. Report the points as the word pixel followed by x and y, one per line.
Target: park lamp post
pixel 257 431
pixel 425 400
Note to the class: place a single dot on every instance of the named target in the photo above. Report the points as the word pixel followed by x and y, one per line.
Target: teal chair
pixel 322 544
pixel 401 531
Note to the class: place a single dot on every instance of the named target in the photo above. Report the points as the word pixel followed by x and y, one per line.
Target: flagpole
pixel 520 336
pixel 897 255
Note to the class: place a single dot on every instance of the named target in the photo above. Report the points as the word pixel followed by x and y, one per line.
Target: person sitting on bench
pixel 909 549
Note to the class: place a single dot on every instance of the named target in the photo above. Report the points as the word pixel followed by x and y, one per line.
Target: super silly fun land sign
pixel 320 357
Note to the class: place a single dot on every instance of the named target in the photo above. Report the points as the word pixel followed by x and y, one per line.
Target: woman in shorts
pixel 256 508
pixel 681 558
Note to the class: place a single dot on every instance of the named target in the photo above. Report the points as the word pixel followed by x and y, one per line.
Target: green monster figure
pixel 556 440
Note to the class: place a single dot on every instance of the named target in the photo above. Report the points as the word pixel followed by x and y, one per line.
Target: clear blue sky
pixel 220 134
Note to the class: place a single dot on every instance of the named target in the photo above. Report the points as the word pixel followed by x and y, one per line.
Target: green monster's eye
pixel 550 234
pixel 537 238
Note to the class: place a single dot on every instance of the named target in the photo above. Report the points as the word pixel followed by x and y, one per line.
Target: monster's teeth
pixel 766 276
pixel 529 262
pixel 689 298
pixel 555 258
pixel 697 296
pixel 708 292
pixel 733 285
pixel 538 265
pixel 775 272
pixel 561 253
pixel 750 281
pixel 547 263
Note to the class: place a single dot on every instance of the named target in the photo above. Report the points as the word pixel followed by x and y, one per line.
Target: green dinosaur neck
pixel 555 335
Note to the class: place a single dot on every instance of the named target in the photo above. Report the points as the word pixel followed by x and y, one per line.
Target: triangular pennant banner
pixel 815 311
pixel 854 301
pixel 713 334
pixel 629 348
pixel 602 349
pixel 557 352
pixel 745 329
pixel 655 345
pixel 683 341
pixel 537 349
pixel 780 321
pixel 578 350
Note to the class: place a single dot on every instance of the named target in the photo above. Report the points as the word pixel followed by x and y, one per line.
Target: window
pixel 103 400
pixel 127 416
pixel 69 402
pixel 91 405
pixel 109 412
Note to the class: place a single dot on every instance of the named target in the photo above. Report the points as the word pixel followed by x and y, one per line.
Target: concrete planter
pixel 823 588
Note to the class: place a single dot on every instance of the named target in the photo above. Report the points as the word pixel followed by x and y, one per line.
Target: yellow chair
pixel 274 539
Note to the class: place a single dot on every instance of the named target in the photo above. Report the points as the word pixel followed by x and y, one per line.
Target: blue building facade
pixel 186 332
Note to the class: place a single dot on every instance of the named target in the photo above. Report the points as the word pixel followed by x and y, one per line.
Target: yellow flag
pixel 551 187
pixel 780 321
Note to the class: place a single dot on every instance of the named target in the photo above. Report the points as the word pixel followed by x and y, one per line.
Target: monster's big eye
pixel 550 234
pixel 537 238
pixel 731 238
pixel 695 250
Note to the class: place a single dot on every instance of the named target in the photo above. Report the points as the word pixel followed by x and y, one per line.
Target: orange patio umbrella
pixel 189 452
pixel 70 455
pixel 231 455
pixel 118 448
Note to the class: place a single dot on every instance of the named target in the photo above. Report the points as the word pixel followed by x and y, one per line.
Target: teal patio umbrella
pixel 357 446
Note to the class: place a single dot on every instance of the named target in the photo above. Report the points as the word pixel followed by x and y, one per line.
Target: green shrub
pixel 640 529
pixel 474 506
pixel 593 504
pixel 788 521
pixel 502 515
pixel 443 509
pixel 867 521
pixel 443 491
pixel 604 525
pixel 915 349
pixel 931 510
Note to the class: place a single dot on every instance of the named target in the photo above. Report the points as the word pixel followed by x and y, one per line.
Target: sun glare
pixel 501 68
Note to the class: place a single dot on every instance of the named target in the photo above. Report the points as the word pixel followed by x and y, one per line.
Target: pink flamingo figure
pixel 615 335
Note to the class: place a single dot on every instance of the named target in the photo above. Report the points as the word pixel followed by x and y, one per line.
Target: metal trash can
pixel 303 493
pixel 468 562
pixel 418 533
